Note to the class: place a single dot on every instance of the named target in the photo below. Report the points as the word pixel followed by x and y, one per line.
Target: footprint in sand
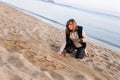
pixel 1 62
pixel 97 78
pixel 15 77
pixel 15 61
pixel 48 65
pixel 97 68
pixel 79 77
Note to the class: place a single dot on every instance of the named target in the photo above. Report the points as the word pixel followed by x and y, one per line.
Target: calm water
pixel 104 29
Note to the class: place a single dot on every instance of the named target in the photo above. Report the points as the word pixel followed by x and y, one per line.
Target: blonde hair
pixel 73 23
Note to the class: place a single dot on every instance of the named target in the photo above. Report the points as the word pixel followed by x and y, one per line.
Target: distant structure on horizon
pixel 52 1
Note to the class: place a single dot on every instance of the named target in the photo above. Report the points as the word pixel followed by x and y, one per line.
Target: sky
pixel 98 5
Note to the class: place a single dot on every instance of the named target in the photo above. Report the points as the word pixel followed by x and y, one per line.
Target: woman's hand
pixel 80 40
pixel 59 53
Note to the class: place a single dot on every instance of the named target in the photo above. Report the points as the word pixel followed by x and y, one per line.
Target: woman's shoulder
pixel 80 27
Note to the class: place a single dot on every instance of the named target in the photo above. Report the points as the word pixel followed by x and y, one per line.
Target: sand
pixel 28 49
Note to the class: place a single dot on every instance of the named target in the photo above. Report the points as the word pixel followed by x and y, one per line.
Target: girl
pixel 75 39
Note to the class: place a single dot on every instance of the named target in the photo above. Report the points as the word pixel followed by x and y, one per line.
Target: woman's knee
pixel 80 53
pixel 69 49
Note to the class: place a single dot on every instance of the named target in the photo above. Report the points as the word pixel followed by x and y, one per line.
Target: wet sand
pixel 28 49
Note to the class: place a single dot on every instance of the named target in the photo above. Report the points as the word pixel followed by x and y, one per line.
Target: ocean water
pixel 101 29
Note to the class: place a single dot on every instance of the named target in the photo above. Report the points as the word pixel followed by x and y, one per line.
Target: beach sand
pixel 28 49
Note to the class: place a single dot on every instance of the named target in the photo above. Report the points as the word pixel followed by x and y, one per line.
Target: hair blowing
pixel 73 23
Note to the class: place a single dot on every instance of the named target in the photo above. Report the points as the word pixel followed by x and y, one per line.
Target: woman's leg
pixel 70 49
pixel 80 53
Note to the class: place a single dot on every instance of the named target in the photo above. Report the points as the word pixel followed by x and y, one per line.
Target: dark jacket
pixel 69 42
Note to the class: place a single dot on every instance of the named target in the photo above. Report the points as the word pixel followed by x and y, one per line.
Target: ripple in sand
pixel 56 76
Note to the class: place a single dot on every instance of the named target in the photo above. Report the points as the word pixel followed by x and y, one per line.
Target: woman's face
pixel 70 26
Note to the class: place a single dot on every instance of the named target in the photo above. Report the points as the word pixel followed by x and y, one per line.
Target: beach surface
pixel 28 48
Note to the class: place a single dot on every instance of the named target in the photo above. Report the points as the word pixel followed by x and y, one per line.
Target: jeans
pixel 80 51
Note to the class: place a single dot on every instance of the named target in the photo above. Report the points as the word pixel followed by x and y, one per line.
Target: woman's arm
pixel 84 39
pixel 62 46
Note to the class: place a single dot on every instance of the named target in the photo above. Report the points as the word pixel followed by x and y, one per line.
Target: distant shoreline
pixel 85 10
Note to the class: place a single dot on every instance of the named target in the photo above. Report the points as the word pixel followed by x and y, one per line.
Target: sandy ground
pixel 28 52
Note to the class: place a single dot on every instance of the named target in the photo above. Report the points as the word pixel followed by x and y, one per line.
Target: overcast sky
pixel 109 5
